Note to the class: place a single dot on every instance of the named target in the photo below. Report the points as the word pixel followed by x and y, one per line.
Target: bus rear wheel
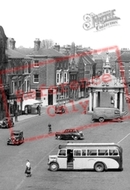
pixel 99 167
pixel 53 166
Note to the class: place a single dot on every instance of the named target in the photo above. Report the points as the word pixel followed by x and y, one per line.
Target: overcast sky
pixel 62 21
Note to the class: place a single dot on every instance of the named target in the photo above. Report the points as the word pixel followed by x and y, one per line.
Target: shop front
pixel 15 103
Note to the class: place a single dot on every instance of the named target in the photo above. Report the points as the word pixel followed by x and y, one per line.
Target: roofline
pixel 86 144
pixel 44 56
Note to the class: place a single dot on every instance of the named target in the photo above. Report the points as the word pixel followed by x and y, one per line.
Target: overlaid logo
pixel 100 21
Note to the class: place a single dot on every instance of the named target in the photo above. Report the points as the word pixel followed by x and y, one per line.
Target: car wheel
pixel 101 119
pixel 75 138
pixel 58 137
pixel 7 143
pixel 53 167
pixel 99 167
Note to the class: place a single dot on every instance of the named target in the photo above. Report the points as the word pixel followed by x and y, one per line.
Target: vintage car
pixel 16 138
pixel 7 122
pixel 73 134
pixel 59 109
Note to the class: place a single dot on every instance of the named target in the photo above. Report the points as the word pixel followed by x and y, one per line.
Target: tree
pixel 47 43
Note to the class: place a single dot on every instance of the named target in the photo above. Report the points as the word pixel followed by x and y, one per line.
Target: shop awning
pixel 32 102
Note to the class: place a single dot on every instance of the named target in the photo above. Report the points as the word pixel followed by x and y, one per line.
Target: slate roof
pixel 40 52
pixel 124 57
pixel 14 54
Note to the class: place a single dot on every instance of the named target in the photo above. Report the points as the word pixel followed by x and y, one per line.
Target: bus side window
pixel 102 152
pixel 113 152
pixel 77 152
pixel 83 152
pixel 91 152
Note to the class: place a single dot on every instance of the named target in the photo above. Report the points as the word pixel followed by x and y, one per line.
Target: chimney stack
pixel 37 43
pixel 12 43
pixel 57 47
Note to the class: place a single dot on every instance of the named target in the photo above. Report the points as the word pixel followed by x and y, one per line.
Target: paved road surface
pixel 13 158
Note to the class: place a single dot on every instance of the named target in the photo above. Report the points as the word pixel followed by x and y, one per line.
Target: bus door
pixel 70 159
pixel 62 159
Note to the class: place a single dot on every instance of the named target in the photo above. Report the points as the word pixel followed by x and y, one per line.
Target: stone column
pixel 90 101
pixel 121 102
pixel 115 101
pixel 94 100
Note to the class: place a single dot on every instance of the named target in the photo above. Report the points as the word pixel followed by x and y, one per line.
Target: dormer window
pixel 36 63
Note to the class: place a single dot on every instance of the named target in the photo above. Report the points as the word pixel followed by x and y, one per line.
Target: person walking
pixel 28 169
pixel 49 128
pixel 39 109
pixel 16 115
pixel 26 110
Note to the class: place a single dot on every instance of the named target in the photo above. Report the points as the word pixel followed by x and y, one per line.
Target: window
pixel 77 152
pixel 83 152
pixel 102 152
pixel 20 84
pixel 57 78
pixel 36 78
pixel 91 152
pixel 62 153
pixel 65 77
pixel 113 152
pixel 36 63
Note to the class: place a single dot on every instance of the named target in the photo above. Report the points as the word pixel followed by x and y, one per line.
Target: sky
pixel 62 21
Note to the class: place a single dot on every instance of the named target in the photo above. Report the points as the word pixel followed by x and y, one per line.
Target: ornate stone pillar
pixel 115 101
pixel 121 101
pixel 94 99
pixel 90 100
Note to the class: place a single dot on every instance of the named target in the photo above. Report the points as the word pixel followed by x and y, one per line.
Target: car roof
pixel 16 131
pixel 105 108
pixel 71 130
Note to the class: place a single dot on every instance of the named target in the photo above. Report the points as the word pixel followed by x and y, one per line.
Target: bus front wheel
pixel 53 166
pixel 99 167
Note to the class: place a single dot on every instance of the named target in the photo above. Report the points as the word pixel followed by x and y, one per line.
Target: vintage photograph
pixel 64 95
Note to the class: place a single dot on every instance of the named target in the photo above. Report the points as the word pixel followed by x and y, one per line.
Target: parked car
pixel 59 109
pixel 16 138
pixel 70 134
pixel 7 122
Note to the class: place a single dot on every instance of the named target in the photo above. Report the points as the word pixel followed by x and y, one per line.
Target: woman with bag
pixel 28 169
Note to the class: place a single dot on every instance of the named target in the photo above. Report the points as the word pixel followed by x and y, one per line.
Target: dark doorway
pixel 50 97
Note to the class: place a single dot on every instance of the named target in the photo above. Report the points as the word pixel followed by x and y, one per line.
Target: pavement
pixel 44 109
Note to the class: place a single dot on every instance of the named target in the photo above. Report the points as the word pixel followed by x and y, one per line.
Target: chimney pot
pixel 37 43
pixel 12 43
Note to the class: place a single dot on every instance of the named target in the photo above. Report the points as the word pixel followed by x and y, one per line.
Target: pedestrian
pixel 28 169
pixel 26 110
pixel 39 109
pixel 49 128
pixel 16 115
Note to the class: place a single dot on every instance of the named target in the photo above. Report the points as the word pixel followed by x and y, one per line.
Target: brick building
pixel 3 64
pixel 43 72
pixel 18 73
pixel 123 67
